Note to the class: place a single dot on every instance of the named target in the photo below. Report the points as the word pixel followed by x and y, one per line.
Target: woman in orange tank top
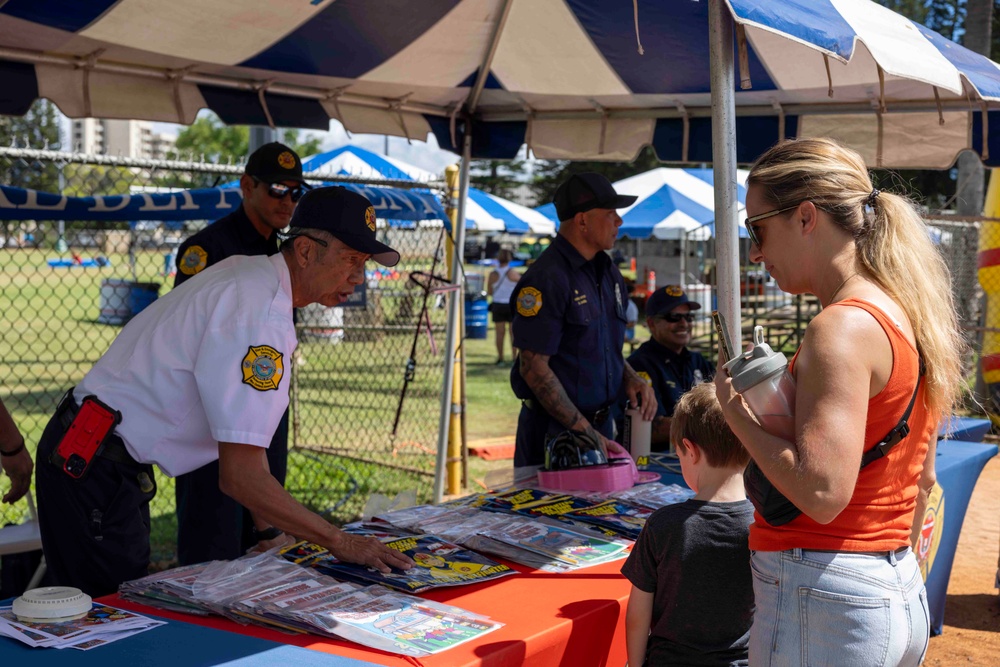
pixel 838 584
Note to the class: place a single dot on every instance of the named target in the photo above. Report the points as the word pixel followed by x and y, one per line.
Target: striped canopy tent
pixel 671 204
pixel 484 212
pixel 571 78
pixel 713 81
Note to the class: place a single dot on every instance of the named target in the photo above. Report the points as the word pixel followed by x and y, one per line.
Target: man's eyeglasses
pixel 748 223
pixel 280 190
pixel 674 318
pixel 286 237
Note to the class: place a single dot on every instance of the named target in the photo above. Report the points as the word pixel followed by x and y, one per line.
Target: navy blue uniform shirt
pixel 573 311
pixel 670 374
pixel 228 236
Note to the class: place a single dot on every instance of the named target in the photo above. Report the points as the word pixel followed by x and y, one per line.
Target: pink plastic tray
pixel 619 474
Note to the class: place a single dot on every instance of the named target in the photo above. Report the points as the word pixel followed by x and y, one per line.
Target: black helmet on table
pixel 573 449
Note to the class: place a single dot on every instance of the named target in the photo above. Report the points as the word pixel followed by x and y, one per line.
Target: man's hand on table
pixel 368 550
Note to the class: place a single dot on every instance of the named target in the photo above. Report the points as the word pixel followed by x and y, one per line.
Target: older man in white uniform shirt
pixel 199 375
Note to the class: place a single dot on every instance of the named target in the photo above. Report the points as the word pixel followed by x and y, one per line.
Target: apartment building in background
pixel 127 138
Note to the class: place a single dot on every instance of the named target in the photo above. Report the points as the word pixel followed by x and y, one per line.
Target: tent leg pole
pixel 720 40
pixel 448 404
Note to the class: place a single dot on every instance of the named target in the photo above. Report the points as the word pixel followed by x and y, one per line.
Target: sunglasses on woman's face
pixel 752 231
pixel 674 318
pixel 280 190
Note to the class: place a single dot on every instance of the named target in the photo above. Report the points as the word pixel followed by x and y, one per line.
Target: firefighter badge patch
pixel 262 367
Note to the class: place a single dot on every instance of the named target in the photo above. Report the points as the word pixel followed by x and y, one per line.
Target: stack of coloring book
pixel 280 593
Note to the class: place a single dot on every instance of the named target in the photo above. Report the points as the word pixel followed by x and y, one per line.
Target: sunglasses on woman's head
pixel 280 190
pixel 674 318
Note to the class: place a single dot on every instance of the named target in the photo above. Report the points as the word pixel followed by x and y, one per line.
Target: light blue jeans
pixel 817 608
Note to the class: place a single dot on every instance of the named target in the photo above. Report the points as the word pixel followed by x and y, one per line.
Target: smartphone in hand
pixel 725 344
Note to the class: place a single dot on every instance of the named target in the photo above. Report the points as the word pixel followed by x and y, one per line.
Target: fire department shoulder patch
pixel 262 367
pixel 193 261
pixel 529 302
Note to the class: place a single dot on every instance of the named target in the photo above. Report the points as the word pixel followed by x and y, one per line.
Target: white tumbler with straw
pixel 762 377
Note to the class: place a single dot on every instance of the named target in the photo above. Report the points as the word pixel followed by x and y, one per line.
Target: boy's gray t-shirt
pixel 694 558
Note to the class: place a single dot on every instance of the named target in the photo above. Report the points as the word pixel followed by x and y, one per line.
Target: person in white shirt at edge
pixel 199 375
pixel 500 285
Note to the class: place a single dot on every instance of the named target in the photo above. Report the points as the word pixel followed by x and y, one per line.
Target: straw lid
pixel 756 365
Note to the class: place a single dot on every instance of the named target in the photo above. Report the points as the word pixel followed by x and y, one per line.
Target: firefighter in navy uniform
pixel 569 325
pixel 210 524
pixel 664 361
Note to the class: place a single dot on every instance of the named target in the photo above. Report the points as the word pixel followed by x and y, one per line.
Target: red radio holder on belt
pixel 93 425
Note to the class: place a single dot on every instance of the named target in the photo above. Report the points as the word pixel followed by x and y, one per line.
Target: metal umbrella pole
pixel 720 40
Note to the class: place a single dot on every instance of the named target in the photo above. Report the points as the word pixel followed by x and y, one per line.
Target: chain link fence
pixel 359 426
pixel 67 287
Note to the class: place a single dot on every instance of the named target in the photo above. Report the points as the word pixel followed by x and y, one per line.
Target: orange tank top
pixel 880 513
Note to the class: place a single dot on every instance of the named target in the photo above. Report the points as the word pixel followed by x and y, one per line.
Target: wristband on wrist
pixel 268 533
pixel 14 452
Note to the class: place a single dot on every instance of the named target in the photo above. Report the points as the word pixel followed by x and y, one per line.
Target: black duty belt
pixel 113 449
pixel 596 418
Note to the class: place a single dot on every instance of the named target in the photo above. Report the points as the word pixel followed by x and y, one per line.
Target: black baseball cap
pixel 274 162
pixel 586 191
pixel 665 299
pixel 350 217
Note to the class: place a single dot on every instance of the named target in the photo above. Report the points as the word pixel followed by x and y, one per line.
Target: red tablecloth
pixel 573 619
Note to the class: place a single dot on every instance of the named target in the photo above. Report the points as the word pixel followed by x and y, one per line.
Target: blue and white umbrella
pixel 671 204
pixel 567 77
pixel 483 212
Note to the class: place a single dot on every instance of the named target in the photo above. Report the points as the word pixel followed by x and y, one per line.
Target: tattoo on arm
pixel 549 391
pixel 630 374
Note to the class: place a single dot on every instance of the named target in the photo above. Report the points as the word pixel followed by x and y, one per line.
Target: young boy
pixel 692 595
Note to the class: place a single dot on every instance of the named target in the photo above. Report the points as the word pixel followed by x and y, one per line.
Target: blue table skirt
pixel 958 466
pixel 966 429
pixel 175 643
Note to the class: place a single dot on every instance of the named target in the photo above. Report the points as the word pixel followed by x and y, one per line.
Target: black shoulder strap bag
pixel 777 510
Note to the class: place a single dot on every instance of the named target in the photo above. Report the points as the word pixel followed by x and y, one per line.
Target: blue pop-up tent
pixel 484 212
pixel 671 204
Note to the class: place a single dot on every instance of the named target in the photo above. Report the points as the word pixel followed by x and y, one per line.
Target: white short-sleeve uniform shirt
pixel 207 363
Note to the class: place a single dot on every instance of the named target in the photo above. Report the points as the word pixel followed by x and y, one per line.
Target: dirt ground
pixel 972 611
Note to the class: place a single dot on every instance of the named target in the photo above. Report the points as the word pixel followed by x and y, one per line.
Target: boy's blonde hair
pixel 698 417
